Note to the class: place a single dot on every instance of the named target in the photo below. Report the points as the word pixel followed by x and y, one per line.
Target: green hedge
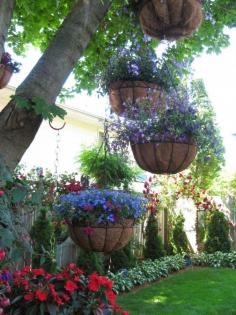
pixel 217 260
pixel 152 270
pixel 145 272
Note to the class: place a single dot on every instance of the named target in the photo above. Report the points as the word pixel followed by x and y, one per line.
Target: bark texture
pixel 18 127
pixel 6 10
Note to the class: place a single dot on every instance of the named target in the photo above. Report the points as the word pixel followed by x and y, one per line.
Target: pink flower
pixel 2 254
pixel 88 230
pixel 4 302
pixel 1 193
pixel 88 207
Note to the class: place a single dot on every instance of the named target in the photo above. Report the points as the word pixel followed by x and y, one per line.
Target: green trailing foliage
pixel 106 169
pixel 179 237
pixel 153 242
pixel 43 239
pixel 217 233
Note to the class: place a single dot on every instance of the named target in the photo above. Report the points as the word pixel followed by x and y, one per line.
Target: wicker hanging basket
pixel 5 75
pixel 164 157
pixel 123 91
pixel 170 19
pixel 105 237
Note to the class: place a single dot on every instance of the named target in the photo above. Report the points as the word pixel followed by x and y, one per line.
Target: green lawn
pixel 203 291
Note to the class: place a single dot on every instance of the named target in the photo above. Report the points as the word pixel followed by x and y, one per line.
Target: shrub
pixel 179 237
pixel 216 260
pixel 217 233
pixel 145 272
pixel 153 247
pixel 123 258
pixel 42 234
pixel 91 262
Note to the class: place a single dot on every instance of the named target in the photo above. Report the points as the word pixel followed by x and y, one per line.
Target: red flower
pixel 29 296
pixel 111 297
pixel 1 193
pixel 58 300
pixel 76 278
pixel 125 313
pixel 70 286
pixel 71 266
pixel 25 283
pixel 38 272
pixel 65 297
pixel 52 289
pixel 106 283
pixel 26 269
pixel 41 295
pixel 93 284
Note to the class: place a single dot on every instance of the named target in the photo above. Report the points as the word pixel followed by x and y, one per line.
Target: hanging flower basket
pixel 5 75
pixel 170 19
pixel 121 92
pixel 103 238
pixel 101 220
pixel 164 157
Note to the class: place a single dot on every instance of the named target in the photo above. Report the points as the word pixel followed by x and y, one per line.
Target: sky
pixel 217 71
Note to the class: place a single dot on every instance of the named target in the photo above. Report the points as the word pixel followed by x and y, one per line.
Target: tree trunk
pixel 18 127
pixel 6 10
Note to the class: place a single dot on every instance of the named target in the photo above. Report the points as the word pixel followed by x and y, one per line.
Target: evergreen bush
pixel 154 246
pixel 123 258
pixel 179 237
pixel 44 246
pixel 217 233
pixel 91 262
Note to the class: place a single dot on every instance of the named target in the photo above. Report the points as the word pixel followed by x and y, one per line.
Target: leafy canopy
pixel 35 22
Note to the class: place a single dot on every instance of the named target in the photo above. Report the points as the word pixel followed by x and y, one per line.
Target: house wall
pixel 81 128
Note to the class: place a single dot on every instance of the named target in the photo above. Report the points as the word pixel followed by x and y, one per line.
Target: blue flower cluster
pixel 101 206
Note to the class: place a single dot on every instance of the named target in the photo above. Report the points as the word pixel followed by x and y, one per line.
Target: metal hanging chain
pixel 57 149
pixel 104 146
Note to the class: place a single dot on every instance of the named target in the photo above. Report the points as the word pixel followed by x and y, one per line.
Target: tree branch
pixel 6 11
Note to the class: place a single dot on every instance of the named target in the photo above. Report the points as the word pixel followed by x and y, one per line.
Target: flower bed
pixel 69 291
pixel 145 272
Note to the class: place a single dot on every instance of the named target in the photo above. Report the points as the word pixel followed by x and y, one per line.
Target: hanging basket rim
pixel 193 142
pixel 118 224
pixel 133 84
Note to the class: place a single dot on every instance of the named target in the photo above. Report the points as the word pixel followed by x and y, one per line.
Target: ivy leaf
pixel 20 101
